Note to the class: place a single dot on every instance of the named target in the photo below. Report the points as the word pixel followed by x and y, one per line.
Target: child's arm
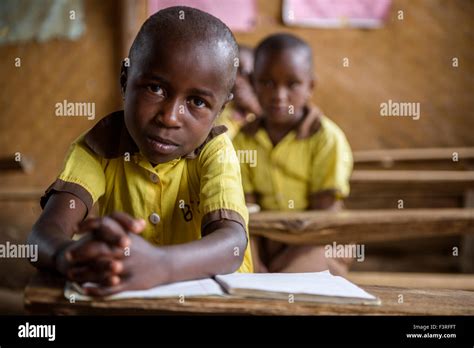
pixel 251 198
pixel 59 222
pixel 220 251
pixel 55 227
pixel 324 200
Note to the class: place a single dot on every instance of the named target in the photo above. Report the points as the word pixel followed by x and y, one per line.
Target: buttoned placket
pixel 274 152
pixel 153 206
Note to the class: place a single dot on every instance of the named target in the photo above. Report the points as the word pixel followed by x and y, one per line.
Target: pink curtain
pixel 239 15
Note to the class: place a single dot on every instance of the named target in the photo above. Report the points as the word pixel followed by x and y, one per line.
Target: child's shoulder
pixel 216 140
pixel 248 131
pixel 329 138
pixel 109 137
pixel 106 140
pixel 329 128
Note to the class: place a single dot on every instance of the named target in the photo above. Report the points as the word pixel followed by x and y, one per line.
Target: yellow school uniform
pixel 234 119
pixel 178 199
pixel 226 119
pixel 312 158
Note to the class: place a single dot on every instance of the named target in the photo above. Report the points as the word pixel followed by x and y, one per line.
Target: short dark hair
pixel 283 41
pixel 182 23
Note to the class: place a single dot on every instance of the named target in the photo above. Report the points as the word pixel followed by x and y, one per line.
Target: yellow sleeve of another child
pixel 332 161
pixel 240 143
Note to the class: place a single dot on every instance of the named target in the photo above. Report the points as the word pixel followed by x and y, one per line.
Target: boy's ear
pixel 312 85
pixel 229 98
pixel 123 77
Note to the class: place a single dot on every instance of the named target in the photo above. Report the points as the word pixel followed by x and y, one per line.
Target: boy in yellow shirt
pixel 303 158
pixel 171 206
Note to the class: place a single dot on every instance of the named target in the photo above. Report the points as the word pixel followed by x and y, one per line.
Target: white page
pixel 318 284
pixel 202 287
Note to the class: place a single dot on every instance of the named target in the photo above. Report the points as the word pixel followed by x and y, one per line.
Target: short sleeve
pixel 332 162
pixel 221 194
pixel 247 184
pixel 82 175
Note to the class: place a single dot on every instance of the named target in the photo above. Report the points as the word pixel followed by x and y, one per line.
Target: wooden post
pixel 467 246
pixel 132 16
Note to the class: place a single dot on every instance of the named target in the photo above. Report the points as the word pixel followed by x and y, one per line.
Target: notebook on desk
pixel 299 287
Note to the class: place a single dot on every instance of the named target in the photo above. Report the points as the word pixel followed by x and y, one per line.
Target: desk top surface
pixel 44 295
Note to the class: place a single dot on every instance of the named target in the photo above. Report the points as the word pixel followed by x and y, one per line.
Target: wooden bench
pixel 44 295
pixel 444 228
pixel 21 194
pixel 415 159
pixel 359 226
pixel 379 189
pixel 16 163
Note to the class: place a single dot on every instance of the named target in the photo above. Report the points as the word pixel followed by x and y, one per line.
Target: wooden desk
pixel 44 295
pixel 412 279
pixel 414 159
pixel 359 226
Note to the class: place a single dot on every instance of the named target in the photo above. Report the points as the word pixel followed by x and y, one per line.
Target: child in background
pixel 170 208
pixel 303 158
pixel 244 107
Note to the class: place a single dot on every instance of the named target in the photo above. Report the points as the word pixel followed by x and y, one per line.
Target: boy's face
pixel 173 93
pixel 283 83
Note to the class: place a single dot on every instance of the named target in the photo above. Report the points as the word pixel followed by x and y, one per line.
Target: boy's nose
pixel 168 114
pixel 280 94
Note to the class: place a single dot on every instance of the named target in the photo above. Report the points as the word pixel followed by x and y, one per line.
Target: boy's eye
pixel 155 89
pixel 197 102
pixel 267 83
pixel 294 84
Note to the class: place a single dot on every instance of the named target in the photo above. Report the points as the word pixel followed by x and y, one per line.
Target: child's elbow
pixel 238 252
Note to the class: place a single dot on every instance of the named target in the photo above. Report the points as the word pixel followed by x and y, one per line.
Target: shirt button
pixel 154 218
pixel 154 178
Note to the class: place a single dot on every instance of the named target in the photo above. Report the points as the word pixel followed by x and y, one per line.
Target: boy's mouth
pixel 161 145
pixel 279 109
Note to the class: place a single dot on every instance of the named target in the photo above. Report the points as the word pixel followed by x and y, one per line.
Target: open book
pixel 301 287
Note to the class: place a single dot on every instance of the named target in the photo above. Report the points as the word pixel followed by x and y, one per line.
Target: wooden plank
pixel 392 201
pixel 414 280
pixel 10 163
pixel 407 262
pixel 378 189
pixel 427 158
pixel 132 15
pixel 11 302
pixel 44 295
pixel 435 255
pixel 21 193
pixel 360 226
pixel 467 245
pixel 428 183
